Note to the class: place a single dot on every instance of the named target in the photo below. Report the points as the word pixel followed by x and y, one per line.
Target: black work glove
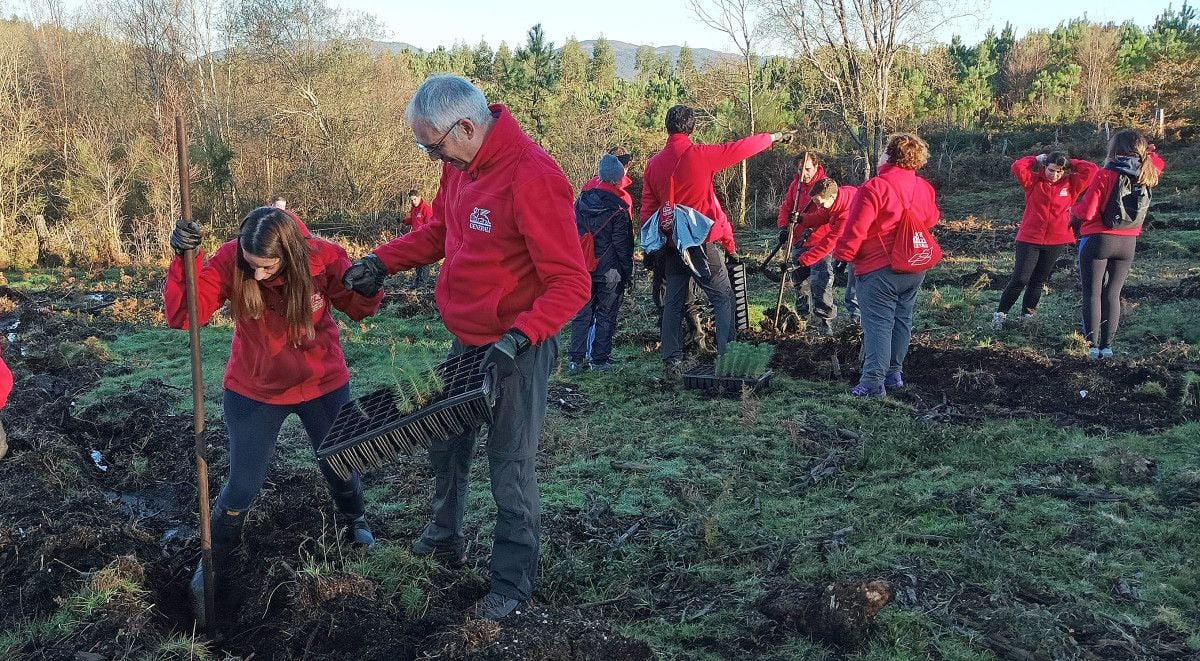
pixel 503 353
pixel 185 236
pixel 783 235
pixel 839 267
pixel 365 276
pixel 733 258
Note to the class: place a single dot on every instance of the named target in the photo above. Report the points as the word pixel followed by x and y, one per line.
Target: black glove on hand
pixel 503 353
pixel 185 236
pixel 733 258
pixel 365 276
pixel 839 267
pixel 783 235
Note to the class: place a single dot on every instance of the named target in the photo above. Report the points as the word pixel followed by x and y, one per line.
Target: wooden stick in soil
pixel 788 267
pixel 189 280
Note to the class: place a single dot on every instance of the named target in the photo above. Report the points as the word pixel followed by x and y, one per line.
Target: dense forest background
pixel 293 97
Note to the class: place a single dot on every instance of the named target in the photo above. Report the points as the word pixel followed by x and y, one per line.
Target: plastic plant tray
pixel 704 378
pixel 741 303
pixel 372 430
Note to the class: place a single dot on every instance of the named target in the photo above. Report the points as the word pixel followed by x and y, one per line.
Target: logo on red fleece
pixel 480 220
pixel 317 302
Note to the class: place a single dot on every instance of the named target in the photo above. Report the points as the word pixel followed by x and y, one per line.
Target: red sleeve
pixel 789 202
pixel 407 220
pixel 425 244
pixel 719 157
pixel 1088 206
pixel 859 221
pixel 836 218
pixel 6 383
pixel 1082 173
pixel 356 306
pixel 545 211
pixel 650 201
pixel 212 286
pixel 935 214
pixel 1022 169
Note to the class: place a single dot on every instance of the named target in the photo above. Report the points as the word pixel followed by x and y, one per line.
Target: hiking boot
pixel 602 367
pixel 450 557
pixel 358 533
pixel 496 607
pixel 1030 317
pixel 673 370
pixel 998 319
pixel 575 368
pixel 894 381
pixel 1106 353
pixel 866 391
pixel 1094 353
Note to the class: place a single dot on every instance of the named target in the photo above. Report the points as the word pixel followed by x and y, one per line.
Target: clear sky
pixel 427 24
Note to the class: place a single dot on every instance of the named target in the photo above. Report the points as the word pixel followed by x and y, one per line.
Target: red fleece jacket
pixel 828 224
pixel 875 212
pixel 263 364
pixel 506 227
pixel 1047 219
pixel 693 178
pixel 1091 205
pixel 620 190
pixel 797 198
pixel 419 215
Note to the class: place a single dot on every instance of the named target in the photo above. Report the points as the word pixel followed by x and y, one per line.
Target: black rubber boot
pixel 226 537
pixel 352 513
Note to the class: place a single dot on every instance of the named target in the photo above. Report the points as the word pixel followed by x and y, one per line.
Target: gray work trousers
pixel 886 299
pixel 716 286
pixel 512 443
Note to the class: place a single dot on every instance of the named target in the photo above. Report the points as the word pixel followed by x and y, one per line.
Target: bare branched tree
pixel 737 20
pixel 854 44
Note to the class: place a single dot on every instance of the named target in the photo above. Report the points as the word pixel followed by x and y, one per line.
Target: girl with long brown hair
pixel 1109 217
pixel 286 356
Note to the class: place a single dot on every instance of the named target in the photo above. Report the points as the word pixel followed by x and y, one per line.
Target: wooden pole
pixel 189 280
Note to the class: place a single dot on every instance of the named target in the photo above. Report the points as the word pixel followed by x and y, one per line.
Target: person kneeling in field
pixel 286 357
pixel 514 275
pixel 1052 183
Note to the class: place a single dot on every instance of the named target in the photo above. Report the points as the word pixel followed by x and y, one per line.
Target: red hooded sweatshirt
pixel 1091 205
pixel 828 224
pixel 419 214
pixel 1047 219
pixel 797 199
pixel 506 227
pixel 693 178
pixel 6 383
pixel 263 364
pixel 875 212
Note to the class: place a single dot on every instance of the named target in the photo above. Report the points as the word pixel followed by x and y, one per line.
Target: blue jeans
pixel 887 300
pixel 253 428
pixel 851 298
pixel 602 310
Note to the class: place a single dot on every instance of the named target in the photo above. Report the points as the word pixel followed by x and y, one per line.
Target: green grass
pixel 721 502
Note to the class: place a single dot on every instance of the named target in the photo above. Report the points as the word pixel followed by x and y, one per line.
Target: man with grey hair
pixel 514 275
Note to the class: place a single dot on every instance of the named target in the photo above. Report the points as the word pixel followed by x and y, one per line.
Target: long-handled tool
pixel 788 266
pixel 189 283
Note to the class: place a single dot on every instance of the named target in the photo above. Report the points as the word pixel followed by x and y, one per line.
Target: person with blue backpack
pixel 1109 217
pixel 602 214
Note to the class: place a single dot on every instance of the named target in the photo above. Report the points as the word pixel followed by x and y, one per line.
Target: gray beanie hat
pixel 611 169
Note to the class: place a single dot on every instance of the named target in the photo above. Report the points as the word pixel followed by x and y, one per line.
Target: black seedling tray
pixel 703 377
pixel 741 303
pixel 372 430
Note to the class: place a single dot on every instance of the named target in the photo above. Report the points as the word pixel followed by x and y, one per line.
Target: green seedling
pixel 744 360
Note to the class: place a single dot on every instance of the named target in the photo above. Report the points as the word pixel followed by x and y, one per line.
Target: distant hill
pixel 625 53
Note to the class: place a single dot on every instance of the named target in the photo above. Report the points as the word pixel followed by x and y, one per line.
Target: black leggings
pixel 1104 262
pixel 1034 265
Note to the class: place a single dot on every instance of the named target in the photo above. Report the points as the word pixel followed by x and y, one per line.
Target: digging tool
pixel 189 282
pixel 788 266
